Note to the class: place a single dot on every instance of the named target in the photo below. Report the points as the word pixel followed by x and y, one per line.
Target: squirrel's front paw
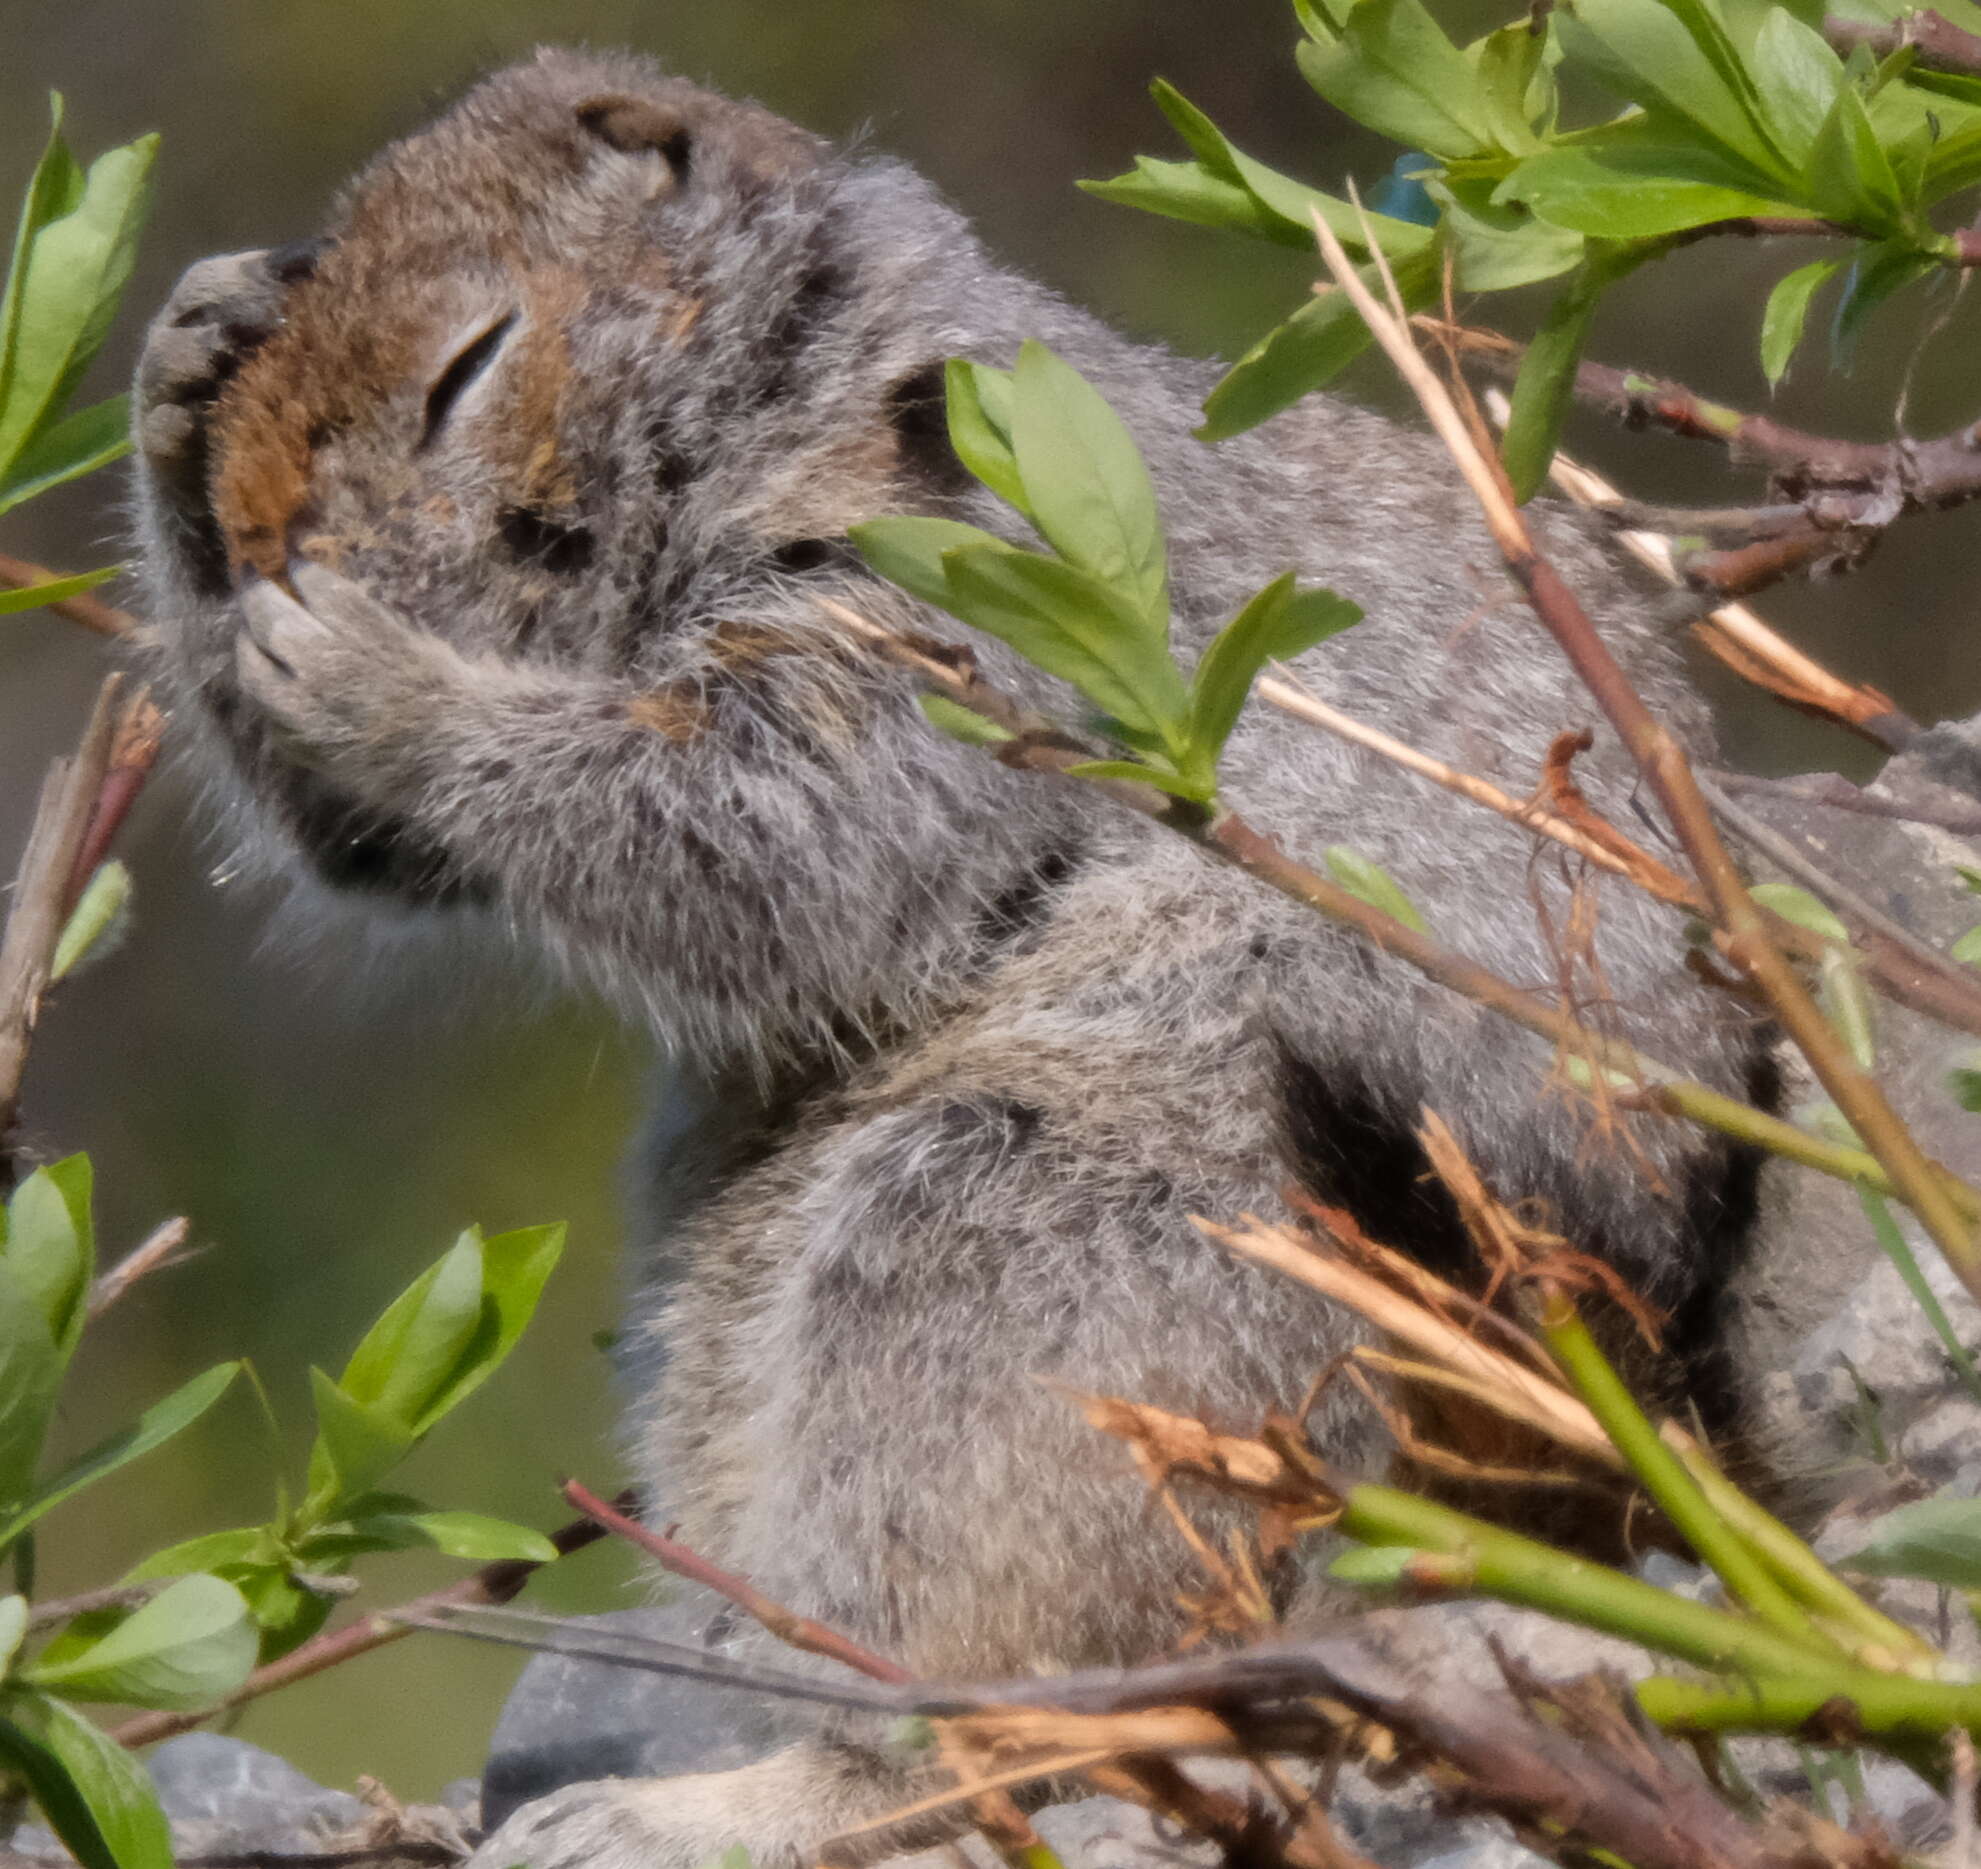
pixel 349 688
pixel 219 314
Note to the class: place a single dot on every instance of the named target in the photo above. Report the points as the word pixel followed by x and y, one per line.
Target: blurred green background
pixel 328 1126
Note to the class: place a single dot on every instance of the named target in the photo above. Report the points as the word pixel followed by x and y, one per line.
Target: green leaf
pixel 1634 185
pixel 157 1425
pixel 54 590
pixel 1289 205
pixel 1371 883
pixel 1849 178
pixel 1545 387
pixel 978 400
pixel 1798 78
pixel 407 1357
pixel 459 1534
pixel 13 1628
pixel 1786 313
pixel 1307 352
pixel 1516 77
pixel 1177 784
pixel 1278 624
pixel 355 1446
pixel 1968 947
pixel 1893 1244
pixel 909 551
pixel 1500 245
pixel 1394 70
pixel 1085 482
pixel 515 1266
pixel 1937 1539
pixel 51 1245
pixel 95 1795
pixel 188 1647
pixel 30 1381
pixel 214 1551
pixel 1877 274
pixel 73 270
pixel 1673 57
pixel 961 723
pixel 1187 191
pixel 1965 1084
pixel 95 922
pixel 54 190
pixel 77 445
pixel 1076 627
pixel 1801 908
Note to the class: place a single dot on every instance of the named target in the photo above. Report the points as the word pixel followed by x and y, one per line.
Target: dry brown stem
pixel 1516 1390
pixel 41 900
pixel 162 1247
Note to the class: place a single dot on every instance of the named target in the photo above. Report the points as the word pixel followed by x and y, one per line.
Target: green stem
pixel 1665 1478
pixel 1513 1569
pixel 1895 1709
pixel 1879 1641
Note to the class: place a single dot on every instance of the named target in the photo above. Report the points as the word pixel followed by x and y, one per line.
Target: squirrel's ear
pixel 636 126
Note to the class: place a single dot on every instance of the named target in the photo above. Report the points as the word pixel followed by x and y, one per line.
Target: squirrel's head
pixel 570 370
pixel 471 378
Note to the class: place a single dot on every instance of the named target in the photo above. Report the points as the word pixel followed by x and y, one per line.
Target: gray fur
pixel 973 1045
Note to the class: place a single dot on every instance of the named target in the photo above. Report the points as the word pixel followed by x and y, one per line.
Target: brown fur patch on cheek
pixel 317 377
pixel 528 435
pixel 265 450
pixel 675 713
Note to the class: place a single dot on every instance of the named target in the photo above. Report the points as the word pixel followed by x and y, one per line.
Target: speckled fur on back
pixel 556 439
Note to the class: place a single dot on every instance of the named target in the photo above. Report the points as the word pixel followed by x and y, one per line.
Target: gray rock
pixel 226 1797
pixel 567 1721
pixel 259 1801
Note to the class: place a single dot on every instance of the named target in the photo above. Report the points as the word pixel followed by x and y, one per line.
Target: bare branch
pixel 41 900
pixel 1937 43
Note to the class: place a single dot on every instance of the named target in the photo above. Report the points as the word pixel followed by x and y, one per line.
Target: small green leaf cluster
pixel 72 256
pixel 436 1344
pixel 1734 110
pixel 1094 610
pixel 231 1599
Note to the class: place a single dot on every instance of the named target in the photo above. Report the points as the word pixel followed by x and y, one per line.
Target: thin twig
pixel 159 1249
pixel 133 752
pixel 1285 691
pixel 1837 792
pixel 1663 763
pixel 1004 1825
pixel 493 1583
pixel 1914 973
pixel 84 608
pixel 1836 497
pixel 1732 632
pixel 1937 43
pixel 41 899
pixel 790 1628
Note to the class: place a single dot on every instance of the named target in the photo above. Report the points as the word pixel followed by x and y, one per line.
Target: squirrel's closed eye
pixel 460 371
